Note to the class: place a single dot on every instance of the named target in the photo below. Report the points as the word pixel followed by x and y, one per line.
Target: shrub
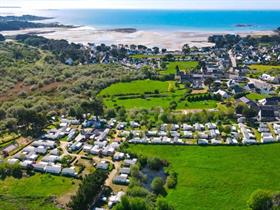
pixel 157 185
pixel 154 163
pixel 260 200
pixel 171 180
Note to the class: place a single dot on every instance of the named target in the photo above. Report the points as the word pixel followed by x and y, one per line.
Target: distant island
pixel 124 30
pixel 243 25
pixel 10 23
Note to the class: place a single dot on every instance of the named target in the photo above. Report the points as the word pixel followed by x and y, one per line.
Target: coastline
pixel 172 40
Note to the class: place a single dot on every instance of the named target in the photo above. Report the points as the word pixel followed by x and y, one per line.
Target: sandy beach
pixel 171 40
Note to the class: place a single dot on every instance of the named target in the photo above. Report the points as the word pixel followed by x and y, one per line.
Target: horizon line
pixel 172 9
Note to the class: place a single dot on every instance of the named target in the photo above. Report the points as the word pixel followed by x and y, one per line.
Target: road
pixel 113 173
pixel 258 83
pixel 232 59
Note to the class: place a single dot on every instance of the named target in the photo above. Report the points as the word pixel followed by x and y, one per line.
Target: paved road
pixel 259 82
pixel 232 58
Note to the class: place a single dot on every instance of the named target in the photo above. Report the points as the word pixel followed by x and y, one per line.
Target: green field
pixel 256 96
pixel 135 87
pixel 142 56
pixel 33 193
pixel 161 101
pixel 141 94
pixel 259 69
pixel 263 67
pixel 183 66
pixel 218 177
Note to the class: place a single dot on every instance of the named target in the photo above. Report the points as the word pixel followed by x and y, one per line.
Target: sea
pixel 177 20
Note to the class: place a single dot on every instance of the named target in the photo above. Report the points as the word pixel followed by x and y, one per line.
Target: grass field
pixel 135 91
pixel 160 101
pixel 268 69
pixel 256 96
pixel 263 67
pixel 142 56
pixel 183 66
pixel 136 87
pixel 34 192
pixel 218 177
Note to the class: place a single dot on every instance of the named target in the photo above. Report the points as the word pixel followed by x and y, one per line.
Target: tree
pixel 11 124
pixel 154 163
pixel 239 108
pixel 172 105
pixel 157 185
pixel 186 49
pixel 131 203
pixel 88 190
pixel 260 200
pixel 171 180
pixel 249 112
pixel 156 50
pixel 95 106
pixel 162 204
pixel 134 171
pixel 208 82
pixel 2 114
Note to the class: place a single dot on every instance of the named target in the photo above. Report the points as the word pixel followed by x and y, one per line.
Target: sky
pixel 145 4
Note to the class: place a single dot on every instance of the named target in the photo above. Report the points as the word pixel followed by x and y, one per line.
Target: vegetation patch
pixel 183 66
pixel 35 192
pixel 151 93
pixel 256 96
pixel 210 177
pixel 258 70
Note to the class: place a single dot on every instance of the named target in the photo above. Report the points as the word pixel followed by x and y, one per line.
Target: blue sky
pixel 145 4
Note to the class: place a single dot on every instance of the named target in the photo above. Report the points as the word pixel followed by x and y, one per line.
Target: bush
pixel 137 191
pixel 157 185
pixel 260 200
pixel 171 180
pixel 154 163
pixel 162 204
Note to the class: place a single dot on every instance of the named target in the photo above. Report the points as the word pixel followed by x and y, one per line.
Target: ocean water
pixel 179 20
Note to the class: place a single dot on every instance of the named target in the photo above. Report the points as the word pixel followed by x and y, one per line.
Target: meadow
pixel 256 96
pixel 136 87
pixel 150 93
pixel 217 177
pixel 34 192
pixel 183 66
pixel 259 69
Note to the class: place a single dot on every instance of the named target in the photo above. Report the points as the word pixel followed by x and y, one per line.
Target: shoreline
pixel 172 40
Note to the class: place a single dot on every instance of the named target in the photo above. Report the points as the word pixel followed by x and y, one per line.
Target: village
pixel 74 147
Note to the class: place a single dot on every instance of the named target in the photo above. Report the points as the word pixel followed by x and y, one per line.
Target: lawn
pixel 34 192
pixel 136 87
pixel 260 67
pixel 268 69
pixel 142 56
pixel 256 96
pixel 134 95
pixel 218 177
pixel 183 66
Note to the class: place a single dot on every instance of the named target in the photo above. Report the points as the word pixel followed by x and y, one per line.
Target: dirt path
pixel 114 172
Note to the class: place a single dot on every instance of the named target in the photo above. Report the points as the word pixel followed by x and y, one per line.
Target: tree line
pixel 88 191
